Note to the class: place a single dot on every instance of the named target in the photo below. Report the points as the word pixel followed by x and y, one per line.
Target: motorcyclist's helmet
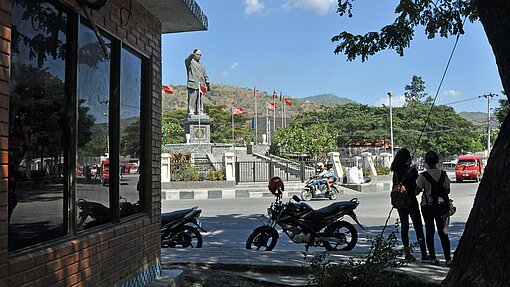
pixel 276 186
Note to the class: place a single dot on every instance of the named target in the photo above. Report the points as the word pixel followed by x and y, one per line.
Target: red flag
pixel 275 95
pixel 203 89
pixel 237 110
pixel 288 102
pixel 272 106
pixel 166 89
pixel 255 92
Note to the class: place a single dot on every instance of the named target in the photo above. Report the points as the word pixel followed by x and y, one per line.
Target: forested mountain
pixel 223 95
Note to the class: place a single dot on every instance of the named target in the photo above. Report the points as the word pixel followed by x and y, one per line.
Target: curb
pixel 220 194
pixel 261 192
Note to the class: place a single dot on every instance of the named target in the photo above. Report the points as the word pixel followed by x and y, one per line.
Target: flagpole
pixel 283 106
pixel 283 116
pixel 274 115
pixel 232 126
pixel 268 127
pixel 256 114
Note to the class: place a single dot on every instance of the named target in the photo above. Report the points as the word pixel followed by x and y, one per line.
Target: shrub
pixel 370 270
pixel 218 174
pixel 382 170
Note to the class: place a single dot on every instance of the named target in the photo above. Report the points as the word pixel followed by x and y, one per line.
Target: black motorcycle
pixel 323 227
pixel 310 190
pixel 100 214
pixel 181 228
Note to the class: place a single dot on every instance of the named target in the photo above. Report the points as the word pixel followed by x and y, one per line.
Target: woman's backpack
pixel 398 194
pixel 441 204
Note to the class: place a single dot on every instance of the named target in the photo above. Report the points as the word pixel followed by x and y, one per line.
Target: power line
pixel 461 101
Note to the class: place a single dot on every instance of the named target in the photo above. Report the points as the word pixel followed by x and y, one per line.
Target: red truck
pixel 468 167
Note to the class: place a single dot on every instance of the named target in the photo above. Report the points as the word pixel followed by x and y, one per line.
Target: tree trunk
pixel 482 257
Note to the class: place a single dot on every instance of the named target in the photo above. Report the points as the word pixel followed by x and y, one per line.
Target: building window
pixel 92 165
pixel 37 123
pixel 130 133
pixel 64 130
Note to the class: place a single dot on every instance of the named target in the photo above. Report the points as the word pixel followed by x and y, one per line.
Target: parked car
pixel 468 167
pixel 105 172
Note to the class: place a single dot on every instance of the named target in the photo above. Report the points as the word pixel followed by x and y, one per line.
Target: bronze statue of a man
pixel 197 76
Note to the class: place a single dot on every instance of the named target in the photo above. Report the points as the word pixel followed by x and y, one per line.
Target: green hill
pixel 328 99
pixel 480 119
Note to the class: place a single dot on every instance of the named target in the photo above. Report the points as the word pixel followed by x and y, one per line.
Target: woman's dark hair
pixel 400 161
pixel 431 158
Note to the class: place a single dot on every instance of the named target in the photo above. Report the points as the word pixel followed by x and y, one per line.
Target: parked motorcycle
pixel 323 227
pixel 100 214
pixel 181 228
pixel 310 190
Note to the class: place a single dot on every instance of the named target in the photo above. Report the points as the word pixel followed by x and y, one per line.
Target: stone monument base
pixel 199 129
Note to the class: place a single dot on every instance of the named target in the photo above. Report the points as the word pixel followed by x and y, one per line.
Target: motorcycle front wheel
pixel 185 236
pixel 306 194
pixel 262 238
pixel 345 235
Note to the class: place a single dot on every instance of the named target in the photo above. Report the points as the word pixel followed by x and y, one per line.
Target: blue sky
pixel 286 45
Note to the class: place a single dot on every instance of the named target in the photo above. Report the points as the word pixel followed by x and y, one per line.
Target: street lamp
pixel 391 125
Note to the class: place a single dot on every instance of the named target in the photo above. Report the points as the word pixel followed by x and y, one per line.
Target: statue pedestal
pixel 199 128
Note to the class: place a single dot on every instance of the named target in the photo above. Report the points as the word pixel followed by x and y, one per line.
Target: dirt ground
pixel 215 278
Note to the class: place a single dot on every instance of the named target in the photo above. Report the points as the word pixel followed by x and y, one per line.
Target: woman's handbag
pixel 398 194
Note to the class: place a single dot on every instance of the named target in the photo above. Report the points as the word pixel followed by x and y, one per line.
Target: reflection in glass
pixel 36 123
pixel 92 165
pixel 131 78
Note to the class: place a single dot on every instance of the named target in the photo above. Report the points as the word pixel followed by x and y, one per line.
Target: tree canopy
pixel 443 17
pixel 360 125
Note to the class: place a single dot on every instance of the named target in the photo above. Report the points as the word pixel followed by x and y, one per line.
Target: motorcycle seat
pixel 174 215
pixel 331 209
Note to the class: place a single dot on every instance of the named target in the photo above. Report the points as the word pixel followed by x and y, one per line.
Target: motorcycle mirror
pixel 296 198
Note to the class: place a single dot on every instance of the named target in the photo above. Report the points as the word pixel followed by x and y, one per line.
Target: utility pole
pixel 391 126
pixel 489 97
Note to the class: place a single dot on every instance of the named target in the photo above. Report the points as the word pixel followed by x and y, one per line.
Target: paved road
pixel 230 221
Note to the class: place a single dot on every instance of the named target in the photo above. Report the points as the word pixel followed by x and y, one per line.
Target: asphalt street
pixel 230 221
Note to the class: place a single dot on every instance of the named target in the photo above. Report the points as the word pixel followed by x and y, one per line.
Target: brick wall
pixel 5 41
pixel 110 257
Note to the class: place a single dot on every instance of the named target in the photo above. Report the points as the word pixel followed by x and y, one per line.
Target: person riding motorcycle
pixel 326 176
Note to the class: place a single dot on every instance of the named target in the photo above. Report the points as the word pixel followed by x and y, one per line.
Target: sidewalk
pixel 282 267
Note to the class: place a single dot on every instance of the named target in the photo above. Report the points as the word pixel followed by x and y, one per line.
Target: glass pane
pixel 131 88
pixel 92 165
pixel 37 123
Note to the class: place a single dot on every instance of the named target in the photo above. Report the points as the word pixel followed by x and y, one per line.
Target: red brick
pixel 5 48
pixel 63 250
pixel 21 263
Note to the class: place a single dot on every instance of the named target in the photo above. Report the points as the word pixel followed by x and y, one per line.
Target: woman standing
pixel 427 208
pixel 405 174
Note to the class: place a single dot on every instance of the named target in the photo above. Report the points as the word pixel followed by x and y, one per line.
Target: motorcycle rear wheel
pixel 341 230
pixel 333 194
pixel 185 236
pixel 306 194
pixel 262 238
